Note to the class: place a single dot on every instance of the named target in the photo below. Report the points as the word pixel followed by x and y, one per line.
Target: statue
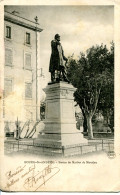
pixel 57 59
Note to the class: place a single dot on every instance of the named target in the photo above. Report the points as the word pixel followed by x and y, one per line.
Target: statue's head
pixel 57 37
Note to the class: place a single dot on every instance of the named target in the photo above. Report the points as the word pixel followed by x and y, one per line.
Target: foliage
pixel 106 99
pixel 91 74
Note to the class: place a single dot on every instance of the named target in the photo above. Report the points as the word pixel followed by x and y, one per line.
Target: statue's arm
pixel 64 58
pixel 54 44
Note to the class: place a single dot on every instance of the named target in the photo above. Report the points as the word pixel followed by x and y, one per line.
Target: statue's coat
pixel 57 56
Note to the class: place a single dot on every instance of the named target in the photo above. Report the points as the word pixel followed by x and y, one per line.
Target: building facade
pixel 21 71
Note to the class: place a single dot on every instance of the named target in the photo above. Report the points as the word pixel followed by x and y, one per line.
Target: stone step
pixel 44 151
pixel 47 143
pixel 73 151
pixel 50 136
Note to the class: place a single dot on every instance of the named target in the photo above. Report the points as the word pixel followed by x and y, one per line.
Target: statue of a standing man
pixel 57 59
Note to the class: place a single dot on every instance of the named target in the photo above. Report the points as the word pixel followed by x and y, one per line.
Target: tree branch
pixel 86 108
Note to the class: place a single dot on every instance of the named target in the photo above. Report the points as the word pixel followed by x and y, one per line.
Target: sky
pixel 80 27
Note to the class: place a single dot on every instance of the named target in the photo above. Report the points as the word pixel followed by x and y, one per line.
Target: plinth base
pixel 61 139
pixel 60 124
pixel 63 145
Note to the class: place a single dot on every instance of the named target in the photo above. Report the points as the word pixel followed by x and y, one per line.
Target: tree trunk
pixel 84 122
pixel 89 125
pixel 85 125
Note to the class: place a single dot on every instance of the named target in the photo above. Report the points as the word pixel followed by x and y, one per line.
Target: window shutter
pixel 8 57
pixel 28 90
pixel 8 86
pixel 28 61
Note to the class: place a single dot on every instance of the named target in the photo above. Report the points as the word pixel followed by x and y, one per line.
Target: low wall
pixel 103 135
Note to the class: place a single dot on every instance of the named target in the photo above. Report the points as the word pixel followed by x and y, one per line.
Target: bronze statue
pixel 57 59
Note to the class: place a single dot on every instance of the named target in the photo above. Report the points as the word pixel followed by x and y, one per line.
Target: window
pixel 28 38
pixel 8 32
pixel 28 90
pixel 8 57
pixel 28 61
pixel 8 86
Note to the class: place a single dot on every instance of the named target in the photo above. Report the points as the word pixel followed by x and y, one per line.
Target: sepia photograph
pixel 58 98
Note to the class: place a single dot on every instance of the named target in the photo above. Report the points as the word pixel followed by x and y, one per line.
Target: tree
pixel 106 103
pixel 90 74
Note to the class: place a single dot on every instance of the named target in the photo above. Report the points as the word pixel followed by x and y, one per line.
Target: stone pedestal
pixel 60 124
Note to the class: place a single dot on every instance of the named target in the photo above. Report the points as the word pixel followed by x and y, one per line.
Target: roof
pixel 18 20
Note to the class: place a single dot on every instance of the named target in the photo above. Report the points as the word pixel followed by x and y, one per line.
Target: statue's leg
pixel 64 74
pixel 53 76
pixel 60 74
pixel 57 75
